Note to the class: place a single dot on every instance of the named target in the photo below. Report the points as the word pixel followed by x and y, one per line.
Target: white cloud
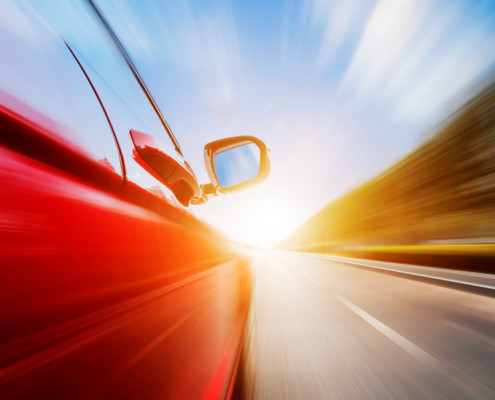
pixel 182 41
pixel 338 25
pixel 392 28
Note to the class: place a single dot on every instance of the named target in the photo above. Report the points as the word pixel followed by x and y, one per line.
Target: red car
pixel 109 286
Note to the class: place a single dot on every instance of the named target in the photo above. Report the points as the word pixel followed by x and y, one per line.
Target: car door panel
pixel 107 288
pixel 95 288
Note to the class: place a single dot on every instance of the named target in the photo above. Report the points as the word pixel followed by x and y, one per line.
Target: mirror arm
pixel 208 189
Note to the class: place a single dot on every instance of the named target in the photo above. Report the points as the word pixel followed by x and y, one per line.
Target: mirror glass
pixel 237 165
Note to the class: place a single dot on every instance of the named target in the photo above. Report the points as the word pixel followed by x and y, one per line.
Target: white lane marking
pixel 479 285
pixel 317 283
pixel 401 341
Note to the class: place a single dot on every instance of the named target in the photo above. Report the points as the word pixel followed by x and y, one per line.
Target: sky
pixel 338 90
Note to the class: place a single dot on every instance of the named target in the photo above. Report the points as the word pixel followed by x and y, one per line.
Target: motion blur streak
pixel 442 193
pixel 400 339
pixel 340 90
pixel 81 304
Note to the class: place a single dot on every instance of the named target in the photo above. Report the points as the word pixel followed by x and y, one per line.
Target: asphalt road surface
pixel 322 329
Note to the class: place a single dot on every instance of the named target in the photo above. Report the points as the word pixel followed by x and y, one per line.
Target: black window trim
pixel 135 72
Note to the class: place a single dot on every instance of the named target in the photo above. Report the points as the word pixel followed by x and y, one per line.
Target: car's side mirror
pixel 235 163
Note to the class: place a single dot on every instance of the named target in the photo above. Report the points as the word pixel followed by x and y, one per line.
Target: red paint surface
pixel 105 290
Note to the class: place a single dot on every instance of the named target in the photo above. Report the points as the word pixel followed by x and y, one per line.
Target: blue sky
pixel 339 90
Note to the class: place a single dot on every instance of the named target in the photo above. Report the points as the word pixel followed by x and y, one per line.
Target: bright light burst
pixel 263 223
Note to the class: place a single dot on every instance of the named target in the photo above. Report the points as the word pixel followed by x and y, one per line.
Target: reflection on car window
pixel 41 75
pixel 123 119
pixel 124 100
pixel 79 26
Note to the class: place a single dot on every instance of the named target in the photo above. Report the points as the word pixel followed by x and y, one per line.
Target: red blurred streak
pixel 90 263
pixel 61 331
pixel 225 372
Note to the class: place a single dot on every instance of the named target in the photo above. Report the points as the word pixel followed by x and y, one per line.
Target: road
pixel 322 329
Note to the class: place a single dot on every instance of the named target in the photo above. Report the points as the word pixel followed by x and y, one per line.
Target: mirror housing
pixel 167 166
pixel 237 179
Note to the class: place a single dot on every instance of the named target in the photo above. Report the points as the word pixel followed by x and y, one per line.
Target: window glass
pixel 41 80
pixel 124 100
pixel 123 119
pixel 79 26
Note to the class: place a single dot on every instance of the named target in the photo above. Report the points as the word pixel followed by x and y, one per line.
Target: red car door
pixel 107 290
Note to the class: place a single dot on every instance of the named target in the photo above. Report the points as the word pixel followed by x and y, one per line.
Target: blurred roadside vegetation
pixel 440 199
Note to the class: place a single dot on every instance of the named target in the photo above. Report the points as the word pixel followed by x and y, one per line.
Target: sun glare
pixel 266 223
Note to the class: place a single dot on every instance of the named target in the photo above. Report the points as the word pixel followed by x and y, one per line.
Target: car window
pixel 123 119
pixel 123 98
pixel 41 80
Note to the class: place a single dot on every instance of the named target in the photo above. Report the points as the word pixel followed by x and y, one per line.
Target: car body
pixel 110 287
